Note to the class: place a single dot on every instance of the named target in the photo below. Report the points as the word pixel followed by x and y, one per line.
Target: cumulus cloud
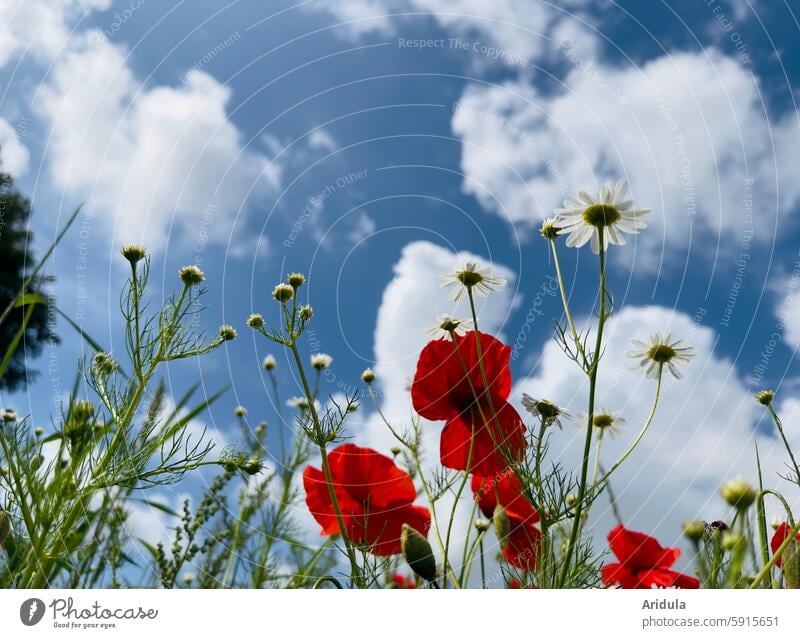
pixel 14 154
pixel 155 159
pixel 689 130
pixel 505 31
pixel 703 433
pixel 38 28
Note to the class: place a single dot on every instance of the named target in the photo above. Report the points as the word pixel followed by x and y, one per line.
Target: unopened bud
pixel 482 525
pixel 418 553
pixel 694 530
pixel 502 526
pixel 368 376
pixel 790 563
pixel 739 494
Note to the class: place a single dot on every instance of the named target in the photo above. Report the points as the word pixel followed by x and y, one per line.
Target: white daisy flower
pixel 585 217
pixel 472 276
pixel 661 351
pixel 321 361
pixel 604 421
pixel 301 403
pixel 545 409
pixel 447 324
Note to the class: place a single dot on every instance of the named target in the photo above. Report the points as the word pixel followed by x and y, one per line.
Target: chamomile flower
pixel 545 409
pixel 604 421
pixel 320 361
pixel 447 324
pixel 661 351
pixel 585 217
pixel 472 277
pixel 301 403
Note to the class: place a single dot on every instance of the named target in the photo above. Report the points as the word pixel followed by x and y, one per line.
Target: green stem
pixel 779 425
pixel 641 434
pixel 587 446
pixel 355 571
pixel 768 567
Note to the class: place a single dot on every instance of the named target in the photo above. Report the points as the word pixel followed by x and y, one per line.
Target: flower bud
pixel 255 321
pixel 418 553
pixel 252 465
pixel 306 312
pixel 269 363
pixel 321 361
pixel 296 280
pixel 191 275
pixel 283 292
pixel 261 429
pixel 395 450
pixel 9 415
pixel 739 494
pixel 502 526
pixel 368 376
pixel 104 365
pixel 240 411
pixel 790 563
pixel 482 525
pixel 134 253
pixel 731 540
pixel 765 397
pixel 694 530
pixel 227 333
pixel 571 500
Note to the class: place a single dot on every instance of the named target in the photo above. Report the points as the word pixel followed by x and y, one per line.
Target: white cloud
pixel 155 159
pixel 320 139
pixel 703 433
pixel 14 155
pixel 785 290
pixel 509 31
pixel 687 129
pixel 38 28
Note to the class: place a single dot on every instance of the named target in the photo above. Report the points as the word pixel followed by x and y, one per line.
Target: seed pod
pixel 418 553
pixel 502 526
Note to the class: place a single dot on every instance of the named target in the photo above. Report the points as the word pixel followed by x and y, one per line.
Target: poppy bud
pixel 418 553
pixel 791 564
pixel 5 526
pixel 502 526
pixel 731 540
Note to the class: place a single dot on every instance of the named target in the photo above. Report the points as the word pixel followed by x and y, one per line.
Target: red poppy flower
pixel 778 537
pixel 644 564
pixel 375 497
pixel 524 538
pixel 445 387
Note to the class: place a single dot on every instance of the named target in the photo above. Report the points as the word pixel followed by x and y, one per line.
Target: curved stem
pixel 641 434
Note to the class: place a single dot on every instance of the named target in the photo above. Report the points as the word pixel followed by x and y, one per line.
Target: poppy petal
pixel 381 530
pixel 438 372
pixel 640 551
pixel 370 477
pixel 318 501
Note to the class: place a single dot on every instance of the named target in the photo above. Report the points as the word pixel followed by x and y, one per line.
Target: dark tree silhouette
pixel 16 262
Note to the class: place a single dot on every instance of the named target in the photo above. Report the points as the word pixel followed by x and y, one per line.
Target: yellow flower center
pixel 469 278
pixel 600 215
pixel 602 421
pixel 661 353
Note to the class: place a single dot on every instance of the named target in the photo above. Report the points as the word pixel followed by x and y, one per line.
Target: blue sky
pixel 206 130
